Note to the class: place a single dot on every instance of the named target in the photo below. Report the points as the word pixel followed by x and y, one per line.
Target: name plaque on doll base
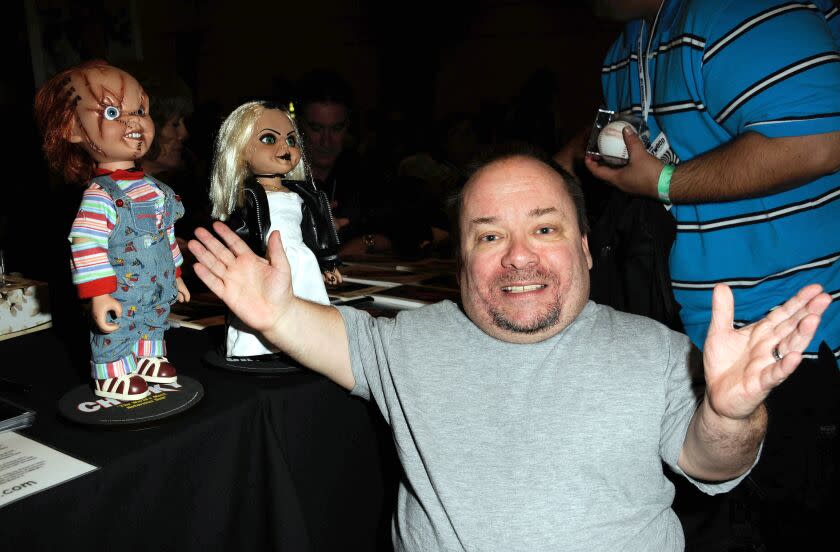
pixel 81 405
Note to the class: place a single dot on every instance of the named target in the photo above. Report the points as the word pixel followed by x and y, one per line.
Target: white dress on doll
pixel 307 280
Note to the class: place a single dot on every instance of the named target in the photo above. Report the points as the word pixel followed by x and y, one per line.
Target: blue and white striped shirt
pixel 718 69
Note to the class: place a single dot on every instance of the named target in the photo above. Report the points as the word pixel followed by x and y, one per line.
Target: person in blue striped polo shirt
pixel 742 99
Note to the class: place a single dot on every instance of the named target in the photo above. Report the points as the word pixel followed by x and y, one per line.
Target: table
pixel 286 462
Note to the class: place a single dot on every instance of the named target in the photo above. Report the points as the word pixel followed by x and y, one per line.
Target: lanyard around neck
pixel 645 86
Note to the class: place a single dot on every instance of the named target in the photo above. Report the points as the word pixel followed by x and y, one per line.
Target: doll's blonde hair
pixel 230 170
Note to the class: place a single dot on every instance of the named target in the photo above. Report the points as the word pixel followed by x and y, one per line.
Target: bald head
pixel 555 174
pixel 524 263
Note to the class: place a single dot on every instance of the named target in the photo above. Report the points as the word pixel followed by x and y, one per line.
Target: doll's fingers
pixel 103 324
pixel 183 291
pixel 108 328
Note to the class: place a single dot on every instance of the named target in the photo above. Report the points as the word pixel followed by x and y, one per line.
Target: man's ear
pixel 585 244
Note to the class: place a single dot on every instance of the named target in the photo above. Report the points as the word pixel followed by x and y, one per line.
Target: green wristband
pixel 664 186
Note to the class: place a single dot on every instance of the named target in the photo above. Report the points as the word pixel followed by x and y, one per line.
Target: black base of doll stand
pixel 265 365
pixel 81 405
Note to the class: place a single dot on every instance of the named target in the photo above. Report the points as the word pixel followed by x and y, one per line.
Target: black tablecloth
pixel 287 462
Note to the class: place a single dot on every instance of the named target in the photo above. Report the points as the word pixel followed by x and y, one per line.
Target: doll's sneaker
pixel 156 370
pixel 128 387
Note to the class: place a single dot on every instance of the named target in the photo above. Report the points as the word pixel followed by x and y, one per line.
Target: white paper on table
pixel 28 467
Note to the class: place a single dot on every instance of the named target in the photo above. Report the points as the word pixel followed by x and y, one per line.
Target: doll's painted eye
pixel 112 113
pixel 291 141
pixel 141 112
pixel 269 139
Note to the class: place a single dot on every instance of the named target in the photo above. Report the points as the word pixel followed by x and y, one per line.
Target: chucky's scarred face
pixel 112 115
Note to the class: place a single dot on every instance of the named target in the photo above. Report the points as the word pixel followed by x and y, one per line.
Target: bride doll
pixel 260 183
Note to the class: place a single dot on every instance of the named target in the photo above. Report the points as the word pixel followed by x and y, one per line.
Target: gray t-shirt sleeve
pixel 368 338
pixel 685 388
pixel 683 392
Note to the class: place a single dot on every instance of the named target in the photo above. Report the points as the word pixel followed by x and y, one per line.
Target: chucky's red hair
pixel 55 108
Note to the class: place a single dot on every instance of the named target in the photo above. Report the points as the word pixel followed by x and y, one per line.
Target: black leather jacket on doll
pixel 251 221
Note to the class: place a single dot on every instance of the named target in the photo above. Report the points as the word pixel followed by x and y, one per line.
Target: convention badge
pixel 661 149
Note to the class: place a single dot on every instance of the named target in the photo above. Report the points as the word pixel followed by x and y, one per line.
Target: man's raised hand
pixel 256 290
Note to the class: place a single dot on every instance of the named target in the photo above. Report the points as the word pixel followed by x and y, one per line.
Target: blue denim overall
pixel 140 253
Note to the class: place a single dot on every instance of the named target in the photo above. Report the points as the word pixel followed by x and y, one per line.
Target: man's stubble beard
pixel 548 320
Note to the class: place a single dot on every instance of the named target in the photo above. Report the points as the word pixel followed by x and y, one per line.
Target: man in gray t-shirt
pixel 529 418
pixel 515 446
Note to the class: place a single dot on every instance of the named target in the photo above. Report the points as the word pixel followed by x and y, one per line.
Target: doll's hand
pixel 183 292
pixel 100 306
pixel 333 277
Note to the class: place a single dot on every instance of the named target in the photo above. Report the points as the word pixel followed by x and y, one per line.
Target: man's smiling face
pixel 524 264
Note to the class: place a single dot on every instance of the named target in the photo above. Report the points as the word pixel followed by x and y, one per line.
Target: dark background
pixel 420 62
pixel 435 56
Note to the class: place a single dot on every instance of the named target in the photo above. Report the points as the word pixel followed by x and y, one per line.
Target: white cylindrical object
pixel 611 140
